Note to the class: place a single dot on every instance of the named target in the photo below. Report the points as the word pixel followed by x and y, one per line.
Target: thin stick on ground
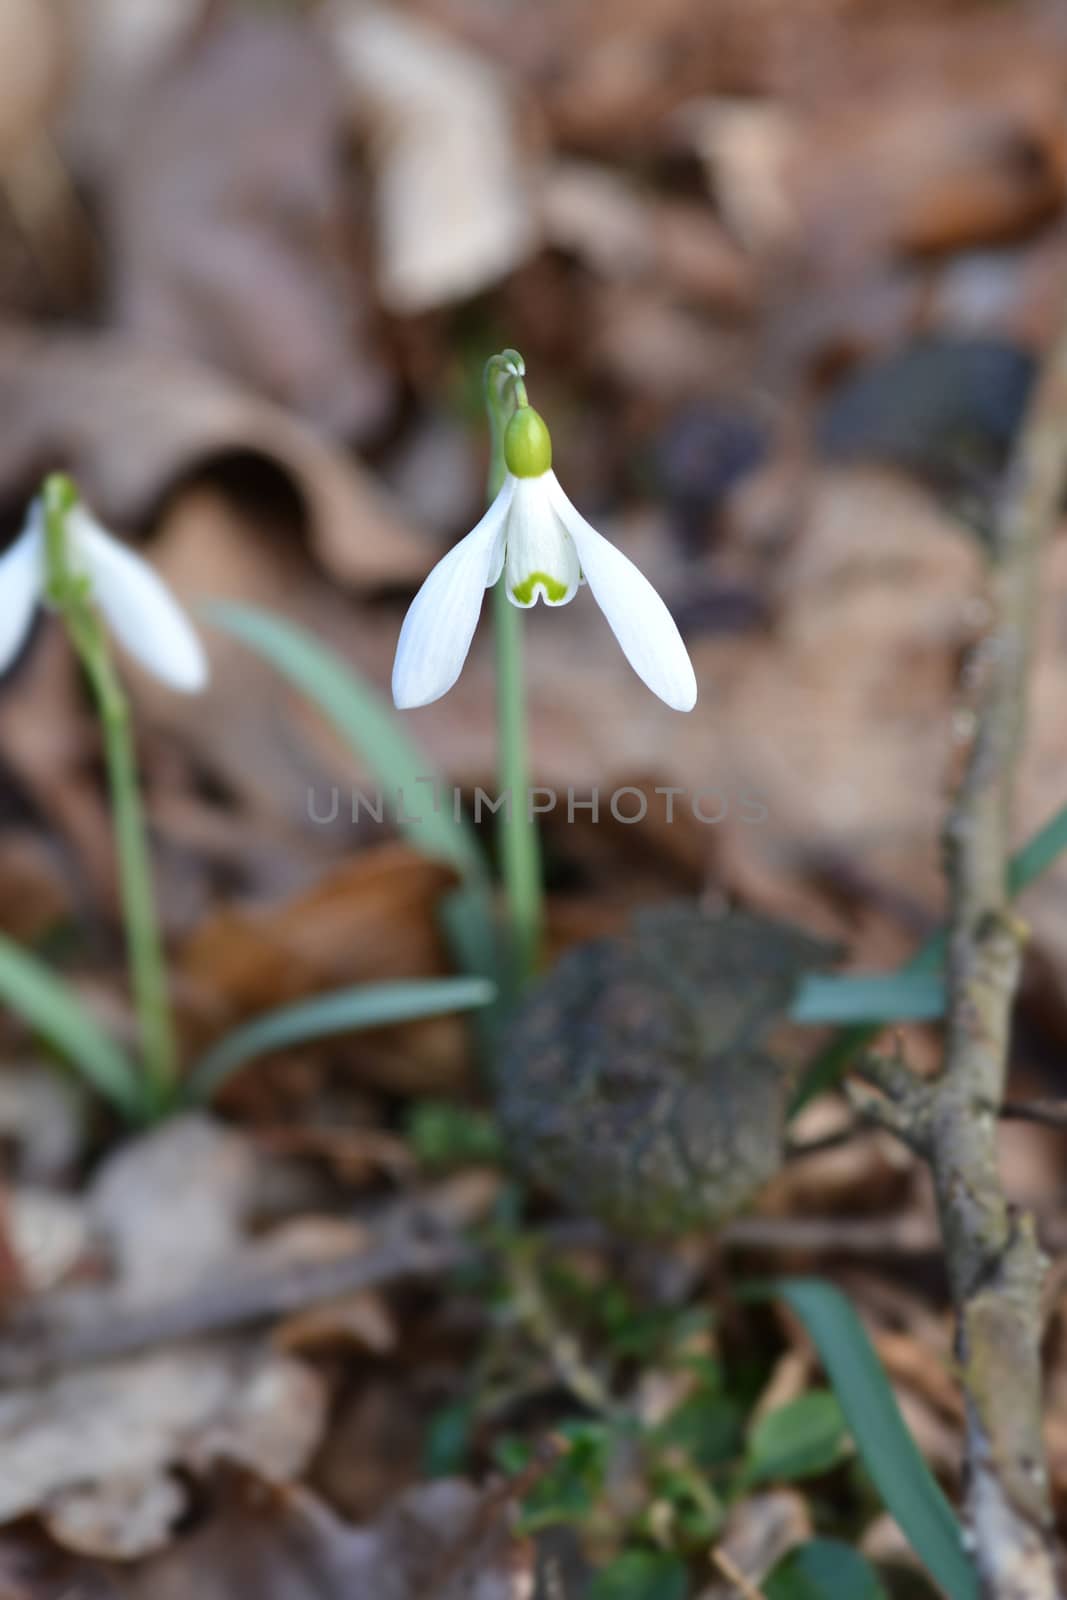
pixel 994 1264
pixel 733 1574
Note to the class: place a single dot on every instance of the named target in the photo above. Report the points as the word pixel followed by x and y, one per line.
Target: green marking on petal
pixel 524 591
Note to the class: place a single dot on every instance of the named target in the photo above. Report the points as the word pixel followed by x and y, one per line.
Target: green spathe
pixel 527 444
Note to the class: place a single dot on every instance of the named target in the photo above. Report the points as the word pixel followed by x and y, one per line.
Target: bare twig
pixel 904 1234
pixel 733 1574
pixel 902 1104
pixel 907 1234
pixel 873 1112
pixel 994 1264
pixel 537 1313
pixel 1049 1113
pixel 101 1325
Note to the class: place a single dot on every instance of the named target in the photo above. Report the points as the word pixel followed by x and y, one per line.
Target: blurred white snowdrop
pixel 545 549
pixel 137 606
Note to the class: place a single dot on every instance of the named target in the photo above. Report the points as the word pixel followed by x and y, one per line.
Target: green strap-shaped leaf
pixel 367 1006
pixel 880 997
pixel 904 1481
pixel 1026 866
pixel 52 1009
pixel 372 729
pixel 1038 854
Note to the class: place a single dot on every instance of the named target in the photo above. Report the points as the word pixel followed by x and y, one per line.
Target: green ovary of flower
pixel 527 444
pixel 553 589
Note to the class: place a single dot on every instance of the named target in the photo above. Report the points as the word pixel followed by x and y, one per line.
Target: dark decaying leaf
pixel 636 1082
pixel 445 1539
pixel 945 408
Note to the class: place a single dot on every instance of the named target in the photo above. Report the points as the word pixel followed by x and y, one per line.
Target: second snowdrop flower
pixel 137 606
pixel 545 549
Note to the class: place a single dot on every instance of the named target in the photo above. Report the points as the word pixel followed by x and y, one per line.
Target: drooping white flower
pixel 136 604
pixel 545 549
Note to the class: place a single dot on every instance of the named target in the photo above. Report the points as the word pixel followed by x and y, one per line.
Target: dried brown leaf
pixel 228 209
pixel 452 193
pixel 369 918
pixel 443 1539
pixel 129 423
pixel 626 235
pixel 82 1441
pixel 32 57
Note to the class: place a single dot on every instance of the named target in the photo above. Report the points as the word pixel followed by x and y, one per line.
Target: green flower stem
pixel 71 595
pixel 519 846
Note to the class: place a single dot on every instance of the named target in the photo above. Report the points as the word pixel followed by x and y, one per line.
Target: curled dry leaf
pixel 946 148
pixel 622 234
pixel 96 1450
pixel 32 1567
pixel 130 423
pixel 369 918
pixel 31 67
pixel 452 195
pixel 90 1435
pixel 48 1232
pixel 35 894
pixel 43 1116
pixel 118 48
pixel 227 205
pixel 746 146
pixel 360 1321
pixel 122 1518
pixel 175 1203
pixel 613 87
pixel 445 1538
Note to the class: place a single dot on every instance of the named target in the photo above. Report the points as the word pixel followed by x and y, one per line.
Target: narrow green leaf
pixel 800 1440
pixel 52 1009
pixel 372 729
pixel 641 1575
pixel 1035 858
pixel 824 1569
pixel 345 1011
pixel 1040 852
pixel 904 1481
pixel 880 997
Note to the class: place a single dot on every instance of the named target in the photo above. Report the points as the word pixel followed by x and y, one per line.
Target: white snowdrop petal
pixel 441 620
pixel 21 586
pixel 138 607
pixel 636 615
pixel 541 558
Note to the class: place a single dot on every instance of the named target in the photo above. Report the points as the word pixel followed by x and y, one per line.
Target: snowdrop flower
pixel 544 548
pixel 137 606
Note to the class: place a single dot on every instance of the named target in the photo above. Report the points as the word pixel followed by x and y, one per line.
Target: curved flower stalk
pixel 531 544
pixel 66 561
pixel 545 549
pixel 137 606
